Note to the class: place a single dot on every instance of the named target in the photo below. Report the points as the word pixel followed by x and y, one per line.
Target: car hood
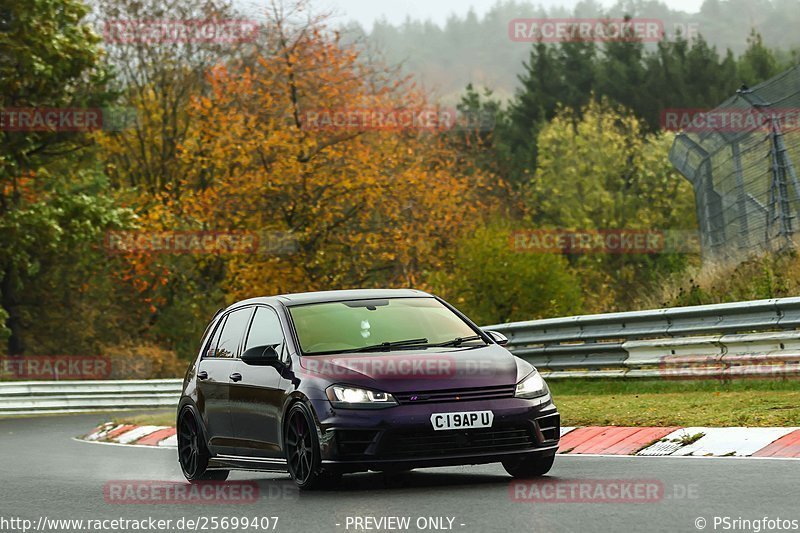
pixel 420 369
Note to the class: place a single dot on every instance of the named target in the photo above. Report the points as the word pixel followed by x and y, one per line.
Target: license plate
pixel 462 420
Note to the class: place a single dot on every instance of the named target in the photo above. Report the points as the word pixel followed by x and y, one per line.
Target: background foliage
pixel 217 142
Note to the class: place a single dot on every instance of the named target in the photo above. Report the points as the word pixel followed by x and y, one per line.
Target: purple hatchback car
pixel 320 384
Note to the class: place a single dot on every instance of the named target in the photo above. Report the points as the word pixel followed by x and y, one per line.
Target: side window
pixel 266 330
pixel 232 333
pixel 211 346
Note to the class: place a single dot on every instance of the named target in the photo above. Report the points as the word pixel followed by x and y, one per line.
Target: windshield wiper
pixel 392 344
pixel 458 341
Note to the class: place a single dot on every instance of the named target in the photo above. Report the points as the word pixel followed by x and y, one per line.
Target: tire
pixel 529 467
pixel 303 455
pixel 193 454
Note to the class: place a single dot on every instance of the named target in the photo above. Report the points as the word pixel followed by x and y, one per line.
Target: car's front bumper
pixel 403 437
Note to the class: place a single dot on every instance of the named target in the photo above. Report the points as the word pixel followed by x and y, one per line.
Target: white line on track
pixel 734 457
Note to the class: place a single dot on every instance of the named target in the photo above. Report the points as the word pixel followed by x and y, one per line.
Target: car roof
pixel 302 298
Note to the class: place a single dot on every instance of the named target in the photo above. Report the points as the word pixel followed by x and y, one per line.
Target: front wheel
pixel 302 450
pixel 193 454
pixel 528 467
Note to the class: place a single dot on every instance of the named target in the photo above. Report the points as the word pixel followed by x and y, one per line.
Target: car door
pixel 214 378
pixel 257 399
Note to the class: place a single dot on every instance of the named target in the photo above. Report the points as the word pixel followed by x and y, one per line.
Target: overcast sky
pixel 395 11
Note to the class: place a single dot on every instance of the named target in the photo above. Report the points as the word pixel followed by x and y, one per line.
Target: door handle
pixel 236 376
pixel 202 375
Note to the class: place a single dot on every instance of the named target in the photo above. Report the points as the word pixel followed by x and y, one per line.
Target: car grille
pixel 455 395
pixel 460 442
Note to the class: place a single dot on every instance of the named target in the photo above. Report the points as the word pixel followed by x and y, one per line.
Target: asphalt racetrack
pixel 46 473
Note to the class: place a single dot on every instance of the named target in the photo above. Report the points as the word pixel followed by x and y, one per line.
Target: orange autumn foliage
pixel 366 208
pixel 362 207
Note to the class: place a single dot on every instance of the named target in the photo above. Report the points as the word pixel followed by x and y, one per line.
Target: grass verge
pixel 157 418
pixel 749 402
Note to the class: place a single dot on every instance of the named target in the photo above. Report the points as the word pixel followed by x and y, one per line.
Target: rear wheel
pixel 528 467
pixel 193 454
pixel 302 450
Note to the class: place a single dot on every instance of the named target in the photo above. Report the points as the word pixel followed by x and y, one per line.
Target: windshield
pixel 357 324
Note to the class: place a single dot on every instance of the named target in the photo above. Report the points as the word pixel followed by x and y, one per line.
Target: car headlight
pixel 532 386
pixel 355 398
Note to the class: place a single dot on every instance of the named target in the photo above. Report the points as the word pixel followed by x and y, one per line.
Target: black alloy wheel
pixel 192 452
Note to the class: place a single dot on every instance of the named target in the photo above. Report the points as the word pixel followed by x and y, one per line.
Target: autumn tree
pixel 366 206
pixel 356 205
pixel 158 71
pixel 603 172
pixel 49 58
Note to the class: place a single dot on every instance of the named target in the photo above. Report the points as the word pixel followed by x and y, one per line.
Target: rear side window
pixel 232 333
pixel 211 346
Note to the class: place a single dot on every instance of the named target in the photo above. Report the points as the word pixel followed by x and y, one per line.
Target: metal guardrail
pixel 42 397
pixel 754 338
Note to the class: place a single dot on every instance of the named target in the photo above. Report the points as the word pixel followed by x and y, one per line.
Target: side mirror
pixel 498 337
pixel 260 356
